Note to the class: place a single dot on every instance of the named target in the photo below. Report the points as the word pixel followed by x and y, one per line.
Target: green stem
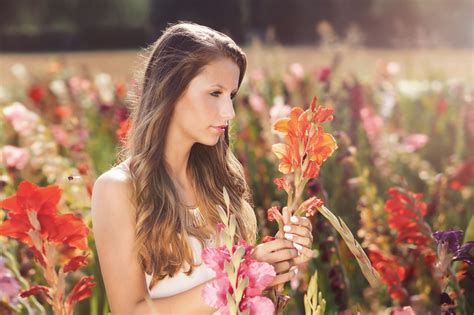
pixel 25 285
pixel 457 289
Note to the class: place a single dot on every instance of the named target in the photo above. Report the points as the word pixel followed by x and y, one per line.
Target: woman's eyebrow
pixel 223 87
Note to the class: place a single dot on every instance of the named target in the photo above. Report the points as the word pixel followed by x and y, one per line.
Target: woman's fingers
pixel 285 277
pixel 297 229
pixel 303 221
pixel 281 255
pixel 305 241
pixel 274 251
pixel 282 267
pixel 306 255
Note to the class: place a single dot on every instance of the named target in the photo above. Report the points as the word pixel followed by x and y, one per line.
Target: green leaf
pixel 223 215
pixel 231 304
pixel 307 308
pixel 243 283
pixel 237 257
pixel 226 197
pixel 232 225
pixel 469 235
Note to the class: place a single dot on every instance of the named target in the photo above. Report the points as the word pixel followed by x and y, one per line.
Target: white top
pixel 180 282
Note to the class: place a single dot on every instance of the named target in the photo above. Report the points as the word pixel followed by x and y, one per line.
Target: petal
pixel 279 150
pixel 34 290
pixel 82 290
pixel 281 125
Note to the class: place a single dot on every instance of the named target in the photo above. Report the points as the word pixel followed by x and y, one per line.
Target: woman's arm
pixel 114 234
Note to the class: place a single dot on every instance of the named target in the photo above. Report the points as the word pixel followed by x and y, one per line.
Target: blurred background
pixel 399 75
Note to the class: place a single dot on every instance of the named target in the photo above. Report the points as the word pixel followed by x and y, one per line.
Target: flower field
pixel 401 177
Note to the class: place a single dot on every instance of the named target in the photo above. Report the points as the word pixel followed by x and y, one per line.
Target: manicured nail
pixel 286 228
pixel 298 246
pixel 288 236
pixel 294 219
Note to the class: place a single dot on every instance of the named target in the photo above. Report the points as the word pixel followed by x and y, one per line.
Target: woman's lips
pixel 219 128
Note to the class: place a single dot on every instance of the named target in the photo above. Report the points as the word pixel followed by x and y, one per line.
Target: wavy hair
pixel 178 55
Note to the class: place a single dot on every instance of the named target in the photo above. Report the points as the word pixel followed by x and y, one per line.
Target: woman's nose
pixel 228 112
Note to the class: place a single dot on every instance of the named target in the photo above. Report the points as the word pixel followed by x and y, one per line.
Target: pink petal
pixel 258 305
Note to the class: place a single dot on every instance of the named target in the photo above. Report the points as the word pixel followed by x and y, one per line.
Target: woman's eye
pixel 216 94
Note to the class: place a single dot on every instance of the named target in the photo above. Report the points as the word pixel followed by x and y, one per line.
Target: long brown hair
pixel 161 233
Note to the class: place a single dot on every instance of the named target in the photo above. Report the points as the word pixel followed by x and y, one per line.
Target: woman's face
pixel 205 108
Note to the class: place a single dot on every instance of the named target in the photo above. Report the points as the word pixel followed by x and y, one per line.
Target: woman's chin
pixel 209 141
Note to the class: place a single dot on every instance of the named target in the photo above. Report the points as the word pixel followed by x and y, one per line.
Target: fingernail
pixel 288 236
pixel 286 228
pixel 294 270
pixel 294 219
pixel 297 246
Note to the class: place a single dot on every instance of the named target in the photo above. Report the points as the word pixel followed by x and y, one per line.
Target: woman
pixel 155 211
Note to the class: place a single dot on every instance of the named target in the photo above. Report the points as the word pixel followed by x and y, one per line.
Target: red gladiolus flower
pixel 406 216
pixel 34 208
pixel 391 273
pixel 82 290
pixel 34 290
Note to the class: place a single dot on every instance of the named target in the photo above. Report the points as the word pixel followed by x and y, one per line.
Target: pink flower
pixel 406 310
pixel 59 134
pixel 215 258
pixel 323 74
pixel 214 293
pixel 371 122
pixel 258 305
pixel 260 275
pixel 9 286
pixel 23 120
pixel 279 109
pixel 414 142
pixel 257 103
pixel 14 157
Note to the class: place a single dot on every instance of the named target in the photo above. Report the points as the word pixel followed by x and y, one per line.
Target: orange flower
pixel 309 206
pixel 306 145
pixel 122 131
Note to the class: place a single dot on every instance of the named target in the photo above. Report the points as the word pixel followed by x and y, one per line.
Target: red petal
pixel 76 263
pixel 34 290
pixel 82 290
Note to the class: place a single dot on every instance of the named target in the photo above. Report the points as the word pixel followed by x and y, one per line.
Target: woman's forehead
pixel 221 73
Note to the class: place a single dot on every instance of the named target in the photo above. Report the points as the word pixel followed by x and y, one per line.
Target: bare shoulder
pixel 111 193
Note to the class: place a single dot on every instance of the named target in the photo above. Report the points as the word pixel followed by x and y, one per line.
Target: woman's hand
pixel 279 253
pixel 299 231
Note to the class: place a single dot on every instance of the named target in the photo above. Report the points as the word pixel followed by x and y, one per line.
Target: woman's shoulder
pixel 117 177
pixel 112 190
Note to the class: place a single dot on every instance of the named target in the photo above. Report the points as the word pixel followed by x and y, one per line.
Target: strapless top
pixel 181 282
